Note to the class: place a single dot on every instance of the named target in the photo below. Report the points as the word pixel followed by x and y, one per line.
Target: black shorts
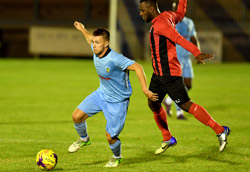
pixel 171 85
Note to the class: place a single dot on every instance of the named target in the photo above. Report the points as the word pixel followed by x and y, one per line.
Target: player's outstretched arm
pixel 141 76
pixel 203 56
pixel 88 36
pixel 181 10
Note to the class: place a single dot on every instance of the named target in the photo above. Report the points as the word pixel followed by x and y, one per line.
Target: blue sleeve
pixel 123 62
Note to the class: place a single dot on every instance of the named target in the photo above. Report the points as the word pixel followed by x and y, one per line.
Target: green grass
pixel 37 98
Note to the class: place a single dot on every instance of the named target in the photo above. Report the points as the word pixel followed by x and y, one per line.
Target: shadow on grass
pixel 95 162
pixel 54 169
pixel 57 169
pixel 207 155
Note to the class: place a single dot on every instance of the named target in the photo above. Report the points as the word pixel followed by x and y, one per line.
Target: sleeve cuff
pixel 197 53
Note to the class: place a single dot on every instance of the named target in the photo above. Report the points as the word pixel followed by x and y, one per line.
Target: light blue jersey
pixel 187 30
pixel 114 78
pixel 112 97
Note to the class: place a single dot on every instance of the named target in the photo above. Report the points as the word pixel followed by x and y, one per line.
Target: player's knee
pixel 77 117
pixel 154 106
pixel 150 105
pixel 186 106
pixel 109 138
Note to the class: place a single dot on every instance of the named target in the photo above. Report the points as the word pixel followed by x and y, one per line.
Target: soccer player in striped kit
pixel 167 76
pixel 186 28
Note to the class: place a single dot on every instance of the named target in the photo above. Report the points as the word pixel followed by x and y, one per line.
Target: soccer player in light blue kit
pixel 187 29
pixel 112 97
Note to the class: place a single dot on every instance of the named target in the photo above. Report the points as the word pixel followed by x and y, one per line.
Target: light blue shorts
pixel 187 68
pixel 115 113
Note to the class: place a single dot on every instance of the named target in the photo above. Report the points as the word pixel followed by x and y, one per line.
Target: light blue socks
pixel 116 148
pixel 81 129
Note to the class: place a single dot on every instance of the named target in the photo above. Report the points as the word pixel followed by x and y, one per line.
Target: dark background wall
pixel 230 17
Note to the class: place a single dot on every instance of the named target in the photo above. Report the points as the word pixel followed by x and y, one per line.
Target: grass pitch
pixel 37 98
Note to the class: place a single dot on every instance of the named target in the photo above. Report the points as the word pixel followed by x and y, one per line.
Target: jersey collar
pixel 106 53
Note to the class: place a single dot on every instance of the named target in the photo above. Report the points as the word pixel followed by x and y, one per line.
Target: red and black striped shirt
pixel 163 37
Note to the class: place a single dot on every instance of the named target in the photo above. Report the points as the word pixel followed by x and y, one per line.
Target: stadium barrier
pixel 57 41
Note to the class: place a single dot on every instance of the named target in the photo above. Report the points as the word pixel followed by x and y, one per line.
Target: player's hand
pixel 78 25
pixel 202 56
pixel 152 96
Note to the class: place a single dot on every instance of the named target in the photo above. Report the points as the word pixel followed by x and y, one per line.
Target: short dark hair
pixel 150 1
pixel 102 32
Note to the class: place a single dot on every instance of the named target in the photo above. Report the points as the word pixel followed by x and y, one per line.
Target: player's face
pixel 145 12
pixel 99 45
